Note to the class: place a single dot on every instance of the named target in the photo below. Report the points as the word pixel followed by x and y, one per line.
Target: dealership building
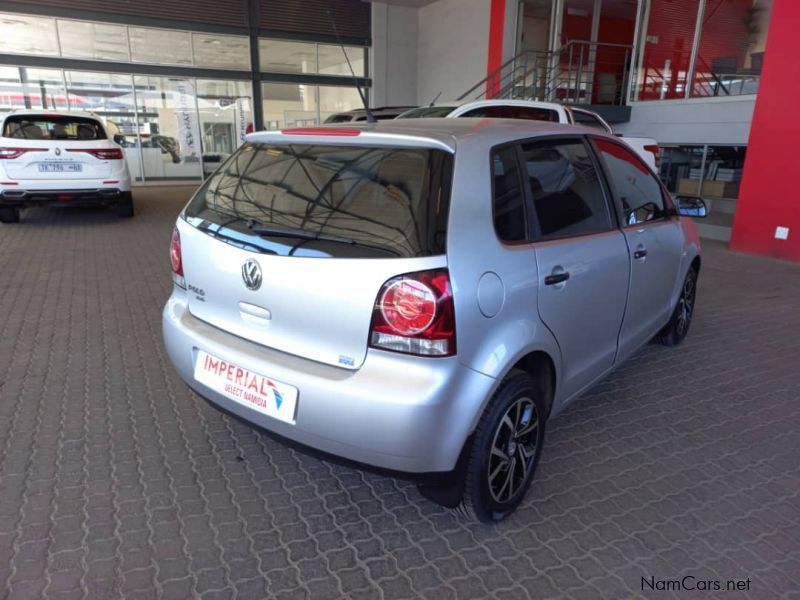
pixel 182 82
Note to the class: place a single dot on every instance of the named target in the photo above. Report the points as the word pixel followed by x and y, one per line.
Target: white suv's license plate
pixel 60 167
pixel 272 398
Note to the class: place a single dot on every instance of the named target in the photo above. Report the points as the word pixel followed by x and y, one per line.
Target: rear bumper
pixel 396 412
pixel 28 197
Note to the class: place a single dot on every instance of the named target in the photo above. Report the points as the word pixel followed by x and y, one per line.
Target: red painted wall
pixel 672 24
pixel 769 195
pixel 497 17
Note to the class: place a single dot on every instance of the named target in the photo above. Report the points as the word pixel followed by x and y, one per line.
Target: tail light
pixel 101 153
pixel 176 259
pixel 656 152
pixel 414 314
pixel 12 153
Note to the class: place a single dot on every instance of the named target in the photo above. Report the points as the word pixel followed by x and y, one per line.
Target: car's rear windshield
pixel 427 112
pixel 359 201
pixel 52 127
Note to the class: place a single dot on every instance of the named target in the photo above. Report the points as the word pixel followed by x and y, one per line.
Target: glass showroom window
pixel 110 96
pixel 10 89
pixel 226 116
pixel 26 88
pixel 332 60
pixel 97 41
pixel 214 51
pixel 681 167
pixel 709 171
pixel 168 128
pixel 731 49
pixel 666 49
pixel 278 56
pixel 337 99
pixel 300 105
pixel 159 46
pixel 289 105
pixel 728 50
pixel 22 34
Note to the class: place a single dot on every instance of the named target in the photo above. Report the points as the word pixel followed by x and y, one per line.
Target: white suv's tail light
pixel 656 151
pixel 176 259
pixel 12 153
pixel 414 314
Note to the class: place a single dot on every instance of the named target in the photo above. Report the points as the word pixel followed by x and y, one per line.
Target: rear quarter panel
pixel 477 260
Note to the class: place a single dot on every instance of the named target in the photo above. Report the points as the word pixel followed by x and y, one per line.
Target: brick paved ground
pixel 116 481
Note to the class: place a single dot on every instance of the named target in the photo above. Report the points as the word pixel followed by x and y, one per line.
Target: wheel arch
pixel 697 262
pixel 541 368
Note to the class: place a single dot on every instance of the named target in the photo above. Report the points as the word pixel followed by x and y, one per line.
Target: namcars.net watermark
pixel 691 583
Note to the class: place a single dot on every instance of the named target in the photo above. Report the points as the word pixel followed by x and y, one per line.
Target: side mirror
pixel 119 139
pixel 691 206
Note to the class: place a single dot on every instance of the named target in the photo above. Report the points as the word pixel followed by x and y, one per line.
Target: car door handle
pixel 556 278
pixel 639 254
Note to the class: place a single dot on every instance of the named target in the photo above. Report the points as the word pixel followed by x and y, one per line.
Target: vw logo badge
pixel 58 151
pixel 251 273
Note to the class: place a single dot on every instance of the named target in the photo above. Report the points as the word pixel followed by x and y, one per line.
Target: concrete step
pixel 716 226
pixel 721 205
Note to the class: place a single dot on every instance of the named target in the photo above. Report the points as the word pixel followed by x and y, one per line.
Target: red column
pixel 769 196
pixel 497 17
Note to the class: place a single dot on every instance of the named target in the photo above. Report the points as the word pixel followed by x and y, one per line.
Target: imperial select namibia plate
pixel 253 390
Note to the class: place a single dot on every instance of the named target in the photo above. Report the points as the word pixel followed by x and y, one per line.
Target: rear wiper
pixel 287 232
pixel 234 241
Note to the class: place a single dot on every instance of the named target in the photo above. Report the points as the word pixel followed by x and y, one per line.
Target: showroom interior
pixel 117 481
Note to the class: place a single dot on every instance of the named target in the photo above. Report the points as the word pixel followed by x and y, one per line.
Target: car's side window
pixel 637 188
pixel 508 198
pixel 568 198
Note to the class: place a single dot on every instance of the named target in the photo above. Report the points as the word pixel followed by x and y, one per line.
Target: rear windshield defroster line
pixel 341 201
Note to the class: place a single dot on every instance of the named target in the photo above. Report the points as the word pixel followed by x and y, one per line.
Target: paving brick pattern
pixel 116 481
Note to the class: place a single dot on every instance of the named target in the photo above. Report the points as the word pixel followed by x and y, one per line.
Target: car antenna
pixel 435 99
pixel 370 117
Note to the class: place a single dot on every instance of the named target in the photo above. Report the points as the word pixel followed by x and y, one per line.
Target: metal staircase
pixel 579 72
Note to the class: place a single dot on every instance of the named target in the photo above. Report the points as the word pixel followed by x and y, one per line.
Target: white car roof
pixel 467 106
pixel 51 112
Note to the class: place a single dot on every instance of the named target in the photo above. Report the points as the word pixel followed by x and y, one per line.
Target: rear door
pixel 55 147
pixel 654 238
pixel 381 212
pixel 581 256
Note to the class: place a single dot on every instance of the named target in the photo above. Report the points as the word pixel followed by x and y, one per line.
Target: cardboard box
pixel 712 189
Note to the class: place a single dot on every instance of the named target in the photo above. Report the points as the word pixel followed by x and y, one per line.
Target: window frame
pixel 533 232
pixel 526 198
pixel 669 209
pixel 607 197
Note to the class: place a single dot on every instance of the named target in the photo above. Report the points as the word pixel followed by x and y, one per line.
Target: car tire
pixel 675 331
pixel 9 214
pixel 505 451
pixel 125 208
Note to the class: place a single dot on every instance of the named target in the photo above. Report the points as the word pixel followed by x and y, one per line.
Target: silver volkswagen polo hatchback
pixel 423 295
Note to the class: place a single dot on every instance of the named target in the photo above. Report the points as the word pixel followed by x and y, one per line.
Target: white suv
pixel 49 157
pixel 534 110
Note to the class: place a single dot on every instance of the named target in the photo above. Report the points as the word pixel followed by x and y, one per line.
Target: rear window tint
pixel 52 127
pixel 386 202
